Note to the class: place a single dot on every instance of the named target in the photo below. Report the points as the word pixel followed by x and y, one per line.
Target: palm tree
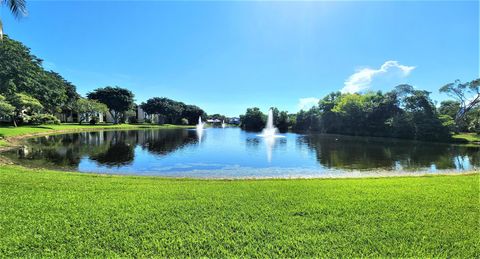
pixel 18 9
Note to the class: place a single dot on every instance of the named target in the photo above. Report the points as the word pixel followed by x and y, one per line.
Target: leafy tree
pixel 184 121
pixel 292 120
pixel 283 121
pixel 328 102
pixel 130 116
pixel 329 121
pixel 191 113
pixel 474 120
pixel 253 119
pixel 403 112
pixel 118 100
pixel 21 71
pixel 52 91
pixel 427 124
pixel 88 108
pixel 6 109
pixel 25 105
pixel 17 7
pixel 43 119
pixel 171 110
pixel 467 94
pixel 351 109
pixel 450 108
pixel 309 120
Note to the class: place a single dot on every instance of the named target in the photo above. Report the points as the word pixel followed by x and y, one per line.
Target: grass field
pixel 47 213
pixel 10 131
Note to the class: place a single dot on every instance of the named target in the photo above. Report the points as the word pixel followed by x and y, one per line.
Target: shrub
pixel 38 119
pixel 132 119
pixel 148 120
pixel 448 122
pixel 184 121
pixel 94 120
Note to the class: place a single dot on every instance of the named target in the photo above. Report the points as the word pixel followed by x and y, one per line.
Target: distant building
pixel 141 116
pixel 234 120
pixel 214 121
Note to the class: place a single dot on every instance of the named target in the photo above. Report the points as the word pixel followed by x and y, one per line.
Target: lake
pixel 234 153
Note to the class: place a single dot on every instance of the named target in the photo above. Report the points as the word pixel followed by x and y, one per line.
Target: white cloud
pixel 307 103
pixel 363 78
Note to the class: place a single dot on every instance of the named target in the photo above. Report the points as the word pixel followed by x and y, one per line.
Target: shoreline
pixel 15 141
pixel 370 174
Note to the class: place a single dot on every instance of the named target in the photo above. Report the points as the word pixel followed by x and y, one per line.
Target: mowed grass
pixel 56 214
pixel 467 137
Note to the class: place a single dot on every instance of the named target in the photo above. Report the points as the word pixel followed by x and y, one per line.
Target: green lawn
pixel 47 213
pixel 10 131
pixel 468 137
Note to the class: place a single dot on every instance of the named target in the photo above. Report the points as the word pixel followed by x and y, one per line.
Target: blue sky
pixel 227 56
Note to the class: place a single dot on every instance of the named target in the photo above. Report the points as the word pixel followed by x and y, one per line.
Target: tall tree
pixel 18 9
pixel 118 100
pixel 25 105
pixel 169 109
pixel 254 119
pixel 6 109
pixel 88 108
pixel 467 94
pixel 283 121
pixel 192 113
pixel 21 71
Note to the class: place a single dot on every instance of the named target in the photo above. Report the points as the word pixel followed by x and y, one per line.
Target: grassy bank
pixel 9 132
pixel 46 213
pixel 467 137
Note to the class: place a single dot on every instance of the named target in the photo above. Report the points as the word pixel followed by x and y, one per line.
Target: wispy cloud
pixel 363 78
pixel 307 103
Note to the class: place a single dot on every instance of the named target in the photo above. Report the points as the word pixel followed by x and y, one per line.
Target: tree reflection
pixel 109 148
pixel 117 154
pixel 162 142
pixel 346 152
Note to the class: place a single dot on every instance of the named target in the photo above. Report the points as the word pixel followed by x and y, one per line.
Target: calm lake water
pixel 234 153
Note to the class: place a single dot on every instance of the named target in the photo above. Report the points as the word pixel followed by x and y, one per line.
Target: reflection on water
pixel 199 132
pixel 365 153
pixel 231 152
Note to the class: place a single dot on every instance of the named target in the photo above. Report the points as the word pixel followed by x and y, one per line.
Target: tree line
pixel 404 112
pixel 29 94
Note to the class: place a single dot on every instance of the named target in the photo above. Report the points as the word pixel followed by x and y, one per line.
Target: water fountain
pixel 270 130
pixel 200 124
pixel 223 124
pixel 200 129
pixel 269 134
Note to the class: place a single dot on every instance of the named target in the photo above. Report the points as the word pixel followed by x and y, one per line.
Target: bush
pixel 148 120
pixel 94 120
pixel 132 119
pixel 184 121
pixel 38 119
